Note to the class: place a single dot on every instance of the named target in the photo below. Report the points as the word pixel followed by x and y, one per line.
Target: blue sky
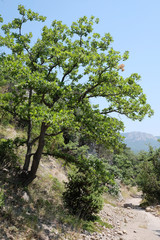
pixel 134 26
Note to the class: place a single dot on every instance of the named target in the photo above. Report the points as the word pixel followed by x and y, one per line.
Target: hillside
pixel 37 212
pixel 140 141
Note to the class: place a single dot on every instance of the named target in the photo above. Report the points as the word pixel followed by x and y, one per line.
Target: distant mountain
pixel 139 141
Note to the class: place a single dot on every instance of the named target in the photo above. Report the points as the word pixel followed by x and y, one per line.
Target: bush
pixel 83 195
pixel 149 177
pixel 80 197
pixel 8 158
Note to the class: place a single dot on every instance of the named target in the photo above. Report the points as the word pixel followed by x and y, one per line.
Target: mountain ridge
pixel 140 141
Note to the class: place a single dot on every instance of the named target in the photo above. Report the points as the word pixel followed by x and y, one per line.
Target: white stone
pixel 25 197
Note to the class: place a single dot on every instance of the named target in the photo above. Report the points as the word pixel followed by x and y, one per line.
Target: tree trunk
pixel 27 158
pixel 29 149
pixel 29 145
pixel 38 154
pixel 28 178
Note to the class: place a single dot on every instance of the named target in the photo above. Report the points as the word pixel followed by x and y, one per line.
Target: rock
pixel 130 216
pixel 41 236
pixel 109 235
pixel 120 233
pixel 55 231
pixel 128 205
pixel 120 197
pixel 25 197
pixel 149 209
pixel 86 232
pixel 156 214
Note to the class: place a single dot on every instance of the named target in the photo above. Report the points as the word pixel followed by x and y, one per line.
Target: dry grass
pixel 10 132
pixel 128 191
pixel 109 199
pixel 143 226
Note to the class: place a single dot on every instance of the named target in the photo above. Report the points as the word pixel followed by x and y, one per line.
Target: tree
pixel 50 83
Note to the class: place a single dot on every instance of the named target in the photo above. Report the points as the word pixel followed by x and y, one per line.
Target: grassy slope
pixel 37 212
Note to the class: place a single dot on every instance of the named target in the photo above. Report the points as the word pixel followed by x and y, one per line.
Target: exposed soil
pixel 140 225
pixel 129 223
pixel 128 220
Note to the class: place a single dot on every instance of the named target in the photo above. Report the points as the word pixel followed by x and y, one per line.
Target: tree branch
pixel 51 68
pixel 68 72
pixel 50 105
pixel 83 95
pixel 55 99
pixel 34 140
pixel 47 135
pixel 114 111
pixel 54 134
pixel 104 95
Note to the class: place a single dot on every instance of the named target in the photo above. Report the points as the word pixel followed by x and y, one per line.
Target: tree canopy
pixel 48 84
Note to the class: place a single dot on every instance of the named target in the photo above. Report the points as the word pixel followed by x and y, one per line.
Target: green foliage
pixel 1 197
pixel 104 223
pixel 83 195
pixel 57 186
pixel 126 167
pixel 5 119
pixel 49 84
pixel 81 198
pixel 149 177
pixel 8 158
pixel 89 226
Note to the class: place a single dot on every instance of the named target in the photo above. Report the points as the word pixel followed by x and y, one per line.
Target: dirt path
pixel 140 225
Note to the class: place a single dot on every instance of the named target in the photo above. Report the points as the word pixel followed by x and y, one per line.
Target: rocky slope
pixel 36 213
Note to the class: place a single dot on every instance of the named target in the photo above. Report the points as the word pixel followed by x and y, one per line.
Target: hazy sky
pixel 134 26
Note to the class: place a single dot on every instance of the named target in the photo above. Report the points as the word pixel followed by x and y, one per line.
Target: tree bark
pixel 31 175
pixel 29 149
pixel 29 145
pixel 27 158
pixel 38 153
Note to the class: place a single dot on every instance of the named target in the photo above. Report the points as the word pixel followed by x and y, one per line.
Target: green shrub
pixel 8 158
pixel 83 195
pixel 80 197
pixel 126 167
pixel 149 177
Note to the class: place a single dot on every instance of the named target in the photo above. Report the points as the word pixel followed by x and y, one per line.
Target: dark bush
pixel 83 195
pixel 149 177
